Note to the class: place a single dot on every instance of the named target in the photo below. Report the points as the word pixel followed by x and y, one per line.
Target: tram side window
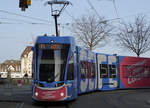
pixel 112 71
pixel 70 73
pixel 37 55
pixel 33 67
pixel 88 64
pixel 93 70
pixel 103 71
pixel 83 70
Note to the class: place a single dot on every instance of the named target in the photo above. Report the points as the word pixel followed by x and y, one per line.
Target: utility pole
pixel 56 25
pixel 56 12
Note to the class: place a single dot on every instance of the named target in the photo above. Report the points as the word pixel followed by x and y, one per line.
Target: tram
pixel 63 70
pixel 55 73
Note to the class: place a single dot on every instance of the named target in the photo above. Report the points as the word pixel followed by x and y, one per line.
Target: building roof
pixel 13 64
pixel 26 51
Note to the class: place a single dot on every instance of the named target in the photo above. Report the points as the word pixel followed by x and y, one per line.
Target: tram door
pixel 107 72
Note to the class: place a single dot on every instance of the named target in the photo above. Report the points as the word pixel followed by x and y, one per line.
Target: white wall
pixel 26 64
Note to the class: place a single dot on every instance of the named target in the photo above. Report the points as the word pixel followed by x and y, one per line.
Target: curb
pixel 10 101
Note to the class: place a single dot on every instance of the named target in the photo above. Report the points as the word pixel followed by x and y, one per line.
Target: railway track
pixel 20 105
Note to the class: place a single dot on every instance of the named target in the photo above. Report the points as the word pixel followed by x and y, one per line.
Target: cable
pixel 114 3
pixel 27 22
pixel 32 23
pixel 8 23
pixel 92 7
pixel 3 11
pixel 101 21
pixel 23 21
pixel 70 15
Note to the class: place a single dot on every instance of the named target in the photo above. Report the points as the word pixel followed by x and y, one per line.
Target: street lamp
pixel 57 6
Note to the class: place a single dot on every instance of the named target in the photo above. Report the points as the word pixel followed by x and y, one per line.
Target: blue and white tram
pixel 55 74
pixel 63 70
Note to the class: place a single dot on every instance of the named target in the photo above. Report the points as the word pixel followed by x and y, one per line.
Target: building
pixel 18 68
pixel 11 69
pixel 26 62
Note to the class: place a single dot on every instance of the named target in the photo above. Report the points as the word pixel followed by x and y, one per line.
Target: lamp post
pixel 56 12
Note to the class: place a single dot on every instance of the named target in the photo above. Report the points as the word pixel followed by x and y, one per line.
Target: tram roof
pixel 53 39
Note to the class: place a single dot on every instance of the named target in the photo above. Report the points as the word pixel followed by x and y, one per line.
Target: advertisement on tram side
pixel 134 72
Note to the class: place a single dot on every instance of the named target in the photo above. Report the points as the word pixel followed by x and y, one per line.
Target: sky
pixel 19 29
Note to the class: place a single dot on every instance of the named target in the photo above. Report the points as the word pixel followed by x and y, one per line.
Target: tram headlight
pixel 36 93
pixel 62 94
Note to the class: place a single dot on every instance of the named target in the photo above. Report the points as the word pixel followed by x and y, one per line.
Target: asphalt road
pixel 137 98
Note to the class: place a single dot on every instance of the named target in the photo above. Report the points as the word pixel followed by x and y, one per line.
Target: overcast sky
pixel 17 31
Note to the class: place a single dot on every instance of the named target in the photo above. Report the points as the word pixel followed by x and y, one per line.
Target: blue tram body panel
pixel 86 70
pixel 121 86
pixel 107 71
pixel 55 73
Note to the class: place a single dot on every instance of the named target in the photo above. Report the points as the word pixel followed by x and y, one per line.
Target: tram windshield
pixel 51 61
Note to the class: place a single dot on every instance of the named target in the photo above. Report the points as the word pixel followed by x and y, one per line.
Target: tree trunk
pixel 138 55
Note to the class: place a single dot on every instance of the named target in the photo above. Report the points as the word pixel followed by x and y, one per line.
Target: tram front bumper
pixel 49 94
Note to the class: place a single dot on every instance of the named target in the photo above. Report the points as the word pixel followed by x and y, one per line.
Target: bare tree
pixel 135 36
pixel 91 30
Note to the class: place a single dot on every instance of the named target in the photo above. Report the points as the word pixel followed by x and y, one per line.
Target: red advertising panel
pixel 135 72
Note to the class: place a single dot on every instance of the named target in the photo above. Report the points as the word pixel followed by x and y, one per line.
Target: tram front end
pixel 55 76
